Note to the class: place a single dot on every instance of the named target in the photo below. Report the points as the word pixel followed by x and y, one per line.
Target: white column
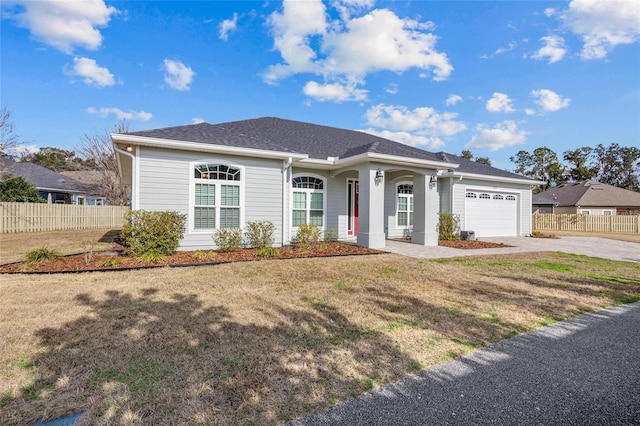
pixel 426 205
pixel 371 208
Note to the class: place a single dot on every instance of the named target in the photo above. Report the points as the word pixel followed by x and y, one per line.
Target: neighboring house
pixel 291 173
pixel 542 205
pixel 590 197
pixel 53 187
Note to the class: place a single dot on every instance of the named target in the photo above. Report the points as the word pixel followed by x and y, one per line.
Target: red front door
pixel 353 189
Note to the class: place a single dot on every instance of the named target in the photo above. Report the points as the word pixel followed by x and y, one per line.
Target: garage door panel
pixel 491 214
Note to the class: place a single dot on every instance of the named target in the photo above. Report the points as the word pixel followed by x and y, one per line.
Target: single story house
pixel 360 186
pixel 591 197
pixel 53 187
pixel 542 205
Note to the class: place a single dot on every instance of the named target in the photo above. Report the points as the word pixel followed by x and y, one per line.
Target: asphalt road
pixel 583 371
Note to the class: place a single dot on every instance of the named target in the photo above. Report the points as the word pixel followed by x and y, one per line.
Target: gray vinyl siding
pixel 523 193
pixel 444 189
pixel 164 179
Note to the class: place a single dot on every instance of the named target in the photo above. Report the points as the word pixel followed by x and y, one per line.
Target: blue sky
pixel 492 77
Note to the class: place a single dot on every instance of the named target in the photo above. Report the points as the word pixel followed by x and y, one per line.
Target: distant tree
pixel 58 160
pixel 483 160
pixel 9 140
pixel 542 165
pixel 619 166
pixel 98 148
pixel 467 155
pixel 581 166
pixel 17 190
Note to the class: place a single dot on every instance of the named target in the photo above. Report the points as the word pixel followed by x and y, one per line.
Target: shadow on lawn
pixel 137 357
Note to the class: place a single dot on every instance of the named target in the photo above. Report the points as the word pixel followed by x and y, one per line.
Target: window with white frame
pixel 307 201
pixel 404 213
pixel 216 196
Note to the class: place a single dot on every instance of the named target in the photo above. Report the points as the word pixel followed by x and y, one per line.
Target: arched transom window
pixel 307 201
pixel 217 201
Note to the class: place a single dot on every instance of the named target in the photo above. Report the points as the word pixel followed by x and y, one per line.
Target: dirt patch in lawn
pixel 115 259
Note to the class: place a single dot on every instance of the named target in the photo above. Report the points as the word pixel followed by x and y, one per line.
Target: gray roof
pixel 43 178
pixel 316 141
pixel 590 193
pixel 473 167
pixel 277 134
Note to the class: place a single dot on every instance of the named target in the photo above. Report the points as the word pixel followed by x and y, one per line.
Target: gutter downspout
pixel 133 174
pixel 285 209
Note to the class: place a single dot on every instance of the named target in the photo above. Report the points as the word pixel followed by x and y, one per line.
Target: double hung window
pixel 307 201
pixel 217 201
pixel 404 214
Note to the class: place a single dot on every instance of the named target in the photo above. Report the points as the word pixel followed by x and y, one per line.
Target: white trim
pixel 461 176
pixel 218 184
pixel 204 147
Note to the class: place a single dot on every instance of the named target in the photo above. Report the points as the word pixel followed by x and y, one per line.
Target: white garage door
pixel 491 214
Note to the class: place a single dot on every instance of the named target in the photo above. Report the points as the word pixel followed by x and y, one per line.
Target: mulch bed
pixel 466 245
pixel 114 260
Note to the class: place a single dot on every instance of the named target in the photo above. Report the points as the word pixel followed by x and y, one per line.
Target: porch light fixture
pixel 433 179
pixel 129 148
pixel 379 176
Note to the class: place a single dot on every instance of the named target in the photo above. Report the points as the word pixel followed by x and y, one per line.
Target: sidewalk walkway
pixel 589 246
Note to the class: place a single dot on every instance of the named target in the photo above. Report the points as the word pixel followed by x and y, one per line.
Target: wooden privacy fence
pixel 586 223
pixel 34 217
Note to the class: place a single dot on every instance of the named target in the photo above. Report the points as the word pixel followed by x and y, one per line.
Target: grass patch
pixel 261 342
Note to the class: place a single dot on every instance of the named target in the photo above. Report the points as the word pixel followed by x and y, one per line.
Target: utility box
pixel 468 235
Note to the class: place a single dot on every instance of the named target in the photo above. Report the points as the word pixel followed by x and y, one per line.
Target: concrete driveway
pixel 589 246
pixel 583 371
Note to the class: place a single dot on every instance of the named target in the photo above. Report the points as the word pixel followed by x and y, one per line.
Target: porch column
pixel 426 205
pixel 371 208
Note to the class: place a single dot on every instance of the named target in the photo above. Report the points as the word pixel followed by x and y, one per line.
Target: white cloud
pixel 501 135
pixel 349 48
pixel 65 24
pixel 120 114
pixel 335 92
pixel 529 111
pixel 92 74
pixel 179 76
pixel 549 11
pixel 512 45
pixel 453 99
pixel 554 49
pixel 197 120
pixel 549 101
pixel 392 89
pixel 227 26
pixel 411 139
pixel 500 103
pixel 603 25
pixel 418 127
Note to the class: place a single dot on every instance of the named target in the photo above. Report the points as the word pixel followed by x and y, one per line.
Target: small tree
pixel 448 227
pixel 18 190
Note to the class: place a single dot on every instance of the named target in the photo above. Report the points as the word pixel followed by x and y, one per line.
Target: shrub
pixel 331 235
pixel 448 227
pixel 259 234
pixel 228 239
pixel 202 255
pixel 267 252
pixel 42 254
pixel 151 257
pixel 157 232
pixel 308 234
pixel 111 263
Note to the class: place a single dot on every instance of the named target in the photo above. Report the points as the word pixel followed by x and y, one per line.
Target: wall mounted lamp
pixel 129 148
pixel 433 179
pixel 379 176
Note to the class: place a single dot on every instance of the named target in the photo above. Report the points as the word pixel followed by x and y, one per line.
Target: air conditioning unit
pixel 468 235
